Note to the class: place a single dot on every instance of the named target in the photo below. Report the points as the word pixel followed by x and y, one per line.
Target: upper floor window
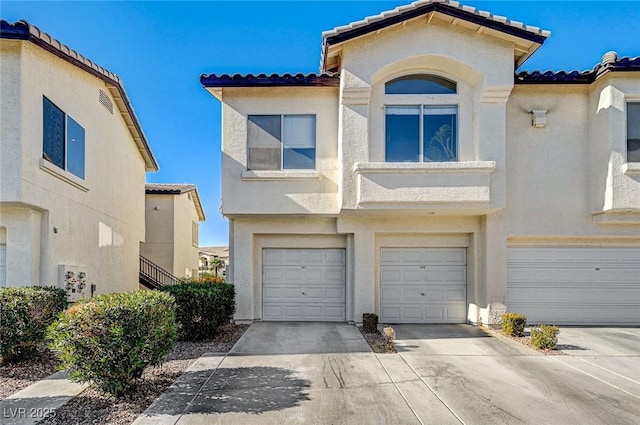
pixel 633 132
pixel 420 84
pixel 63 139
pixel 427 130
pixel 281 142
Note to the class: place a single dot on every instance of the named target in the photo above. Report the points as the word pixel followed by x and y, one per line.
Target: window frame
pixel 422 101
pixel 65 148
pixel 282 141
pixel 627 119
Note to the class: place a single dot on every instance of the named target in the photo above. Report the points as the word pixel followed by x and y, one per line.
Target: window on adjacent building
pixel 633 132
pixel 281 142
pixel 195 240
pixel 63 139
pixel 425 131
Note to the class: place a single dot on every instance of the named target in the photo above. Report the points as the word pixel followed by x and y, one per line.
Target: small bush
pixel 513 324
pixel 370 323
pixel 389 336
pixel 201 308
pixel 544 336
pixel 109 340
pixel 25 314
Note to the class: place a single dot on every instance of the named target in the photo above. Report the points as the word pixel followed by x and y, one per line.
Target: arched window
pixel 421 128
pixel 420 84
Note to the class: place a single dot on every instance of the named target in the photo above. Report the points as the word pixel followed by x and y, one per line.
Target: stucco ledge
pixel 613 217
pixel 424 167
pixel 269 175
pixel 63 175
pixel 630 168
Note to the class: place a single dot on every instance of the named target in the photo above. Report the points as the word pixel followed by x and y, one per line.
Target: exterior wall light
pixel 539 118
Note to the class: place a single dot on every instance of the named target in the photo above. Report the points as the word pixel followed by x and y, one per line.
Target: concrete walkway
pixel 299 373
pixel 39 400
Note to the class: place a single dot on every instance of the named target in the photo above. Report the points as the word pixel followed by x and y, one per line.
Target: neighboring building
pixel 208 254
pixel 173 216
pixel 419 178
pixel 72 168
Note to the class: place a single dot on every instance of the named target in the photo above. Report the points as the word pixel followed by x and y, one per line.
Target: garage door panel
pixel 423 285
pixel 303 284
pixel 575 285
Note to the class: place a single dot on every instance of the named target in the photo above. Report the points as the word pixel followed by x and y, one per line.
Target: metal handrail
pixel 156 274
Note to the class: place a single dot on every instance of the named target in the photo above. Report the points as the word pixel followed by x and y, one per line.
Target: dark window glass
pixel 633 132
pixel 420 84
pixel 402 138
pixel 439 133
pixel 75 148
pixel 264 142
pixel 53 131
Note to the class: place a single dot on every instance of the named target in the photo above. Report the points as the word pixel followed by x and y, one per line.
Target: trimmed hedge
pixel 25 314
pixel 201 308
pixel 544 336
pixel 513 324
pixel 370 323
pixel 110 339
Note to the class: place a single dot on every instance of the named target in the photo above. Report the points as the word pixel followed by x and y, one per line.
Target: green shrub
pixel 109 340
pixel 370 323
pixel 513 324
pixel 25 314
pixel 544 336
pixel 201 308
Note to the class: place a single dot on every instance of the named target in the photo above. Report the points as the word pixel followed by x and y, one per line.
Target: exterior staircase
pixel 153 276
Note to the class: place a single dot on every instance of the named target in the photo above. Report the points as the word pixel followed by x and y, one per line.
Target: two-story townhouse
pixel 73 163
pixel 419 178
pixel 172 220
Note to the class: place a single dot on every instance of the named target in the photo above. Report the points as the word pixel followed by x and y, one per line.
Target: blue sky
pixel 160 48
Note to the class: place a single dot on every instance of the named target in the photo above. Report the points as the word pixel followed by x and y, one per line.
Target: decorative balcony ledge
pixel 280 175
pixel 424 167
pixel 617 217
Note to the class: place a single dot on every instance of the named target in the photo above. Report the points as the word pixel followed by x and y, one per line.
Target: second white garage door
pixel 423 285
pixel 303 284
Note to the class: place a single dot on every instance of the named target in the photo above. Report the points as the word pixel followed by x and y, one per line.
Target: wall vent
pixel 105 101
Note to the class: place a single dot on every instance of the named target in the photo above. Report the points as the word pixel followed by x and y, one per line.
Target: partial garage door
pixel 423 285
pixel 582 286
pixel 303 284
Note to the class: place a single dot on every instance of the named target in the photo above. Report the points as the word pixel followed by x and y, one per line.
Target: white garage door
pixel 303 284
pixel 423 285
pixel 589 286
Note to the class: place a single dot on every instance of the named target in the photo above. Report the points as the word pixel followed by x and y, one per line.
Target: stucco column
pixel 494 296
pixel 363 274
pixel 353 135
pixel 243 274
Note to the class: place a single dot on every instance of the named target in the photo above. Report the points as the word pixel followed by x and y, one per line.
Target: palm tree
pixel 216 264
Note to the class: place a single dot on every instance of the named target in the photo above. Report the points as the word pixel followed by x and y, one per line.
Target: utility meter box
pixel 73 279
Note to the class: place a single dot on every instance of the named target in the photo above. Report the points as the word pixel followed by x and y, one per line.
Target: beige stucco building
pixel 72 169
pixel 419 178
pixel 173 216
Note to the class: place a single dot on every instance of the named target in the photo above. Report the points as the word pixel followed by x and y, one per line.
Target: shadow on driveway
pixel 247 389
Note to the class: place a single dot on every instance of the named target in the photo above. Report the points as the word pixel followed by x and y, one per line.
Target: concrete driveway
pixel 486 379
pixel 323 373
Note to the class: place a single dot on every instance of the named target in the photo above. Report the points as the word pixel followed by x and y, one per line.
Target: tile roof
pixel 176 189
pixel 218 251
pixel 610 62
pixel 23 30
pixel 422 7
pixel 263 80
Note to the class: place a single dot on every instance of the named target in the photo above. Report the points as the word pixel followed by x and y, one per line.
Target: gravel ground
pixel 376 342
pixel 92 408
pixel 526 340
pixel 15 377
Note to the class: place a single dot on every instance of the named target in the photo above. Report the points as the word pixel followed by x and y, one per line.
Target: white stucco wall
pixel 168 240
pixel 287 191
pixel 96 222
